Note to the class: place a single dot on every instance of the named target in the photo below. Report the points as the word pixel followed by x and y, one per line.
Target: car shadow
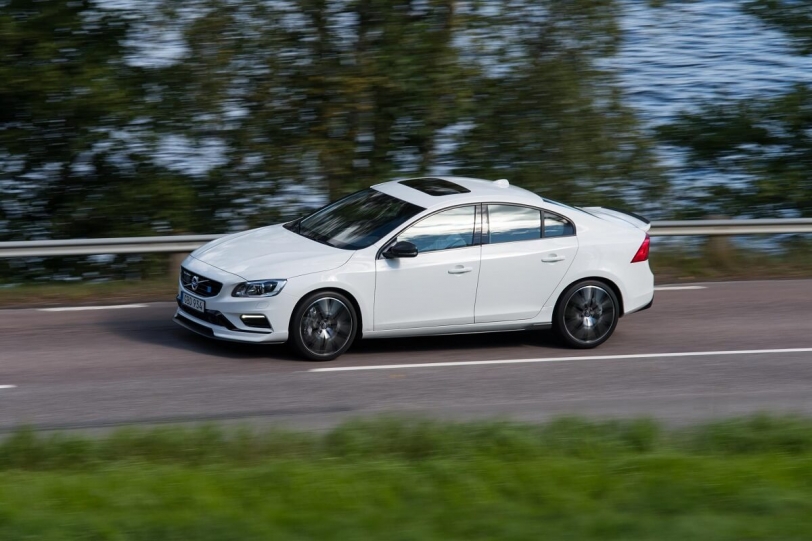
pixel 458 342
pixel 157 328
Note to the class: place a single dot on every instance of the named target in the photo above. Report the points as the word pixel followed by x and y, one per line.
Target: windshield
pixel 356 221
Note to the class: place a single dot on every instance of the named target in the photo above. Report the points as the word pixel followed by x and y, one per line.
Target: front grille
pixel 198 284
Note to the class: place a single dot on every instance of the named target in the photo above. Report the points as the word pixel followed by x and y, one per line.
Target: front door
pixel 438 287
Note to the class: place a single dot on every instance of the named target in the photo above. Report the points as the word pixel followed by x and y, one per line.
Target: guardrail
pixel 730 227
pixel 127 245
pixel 187 243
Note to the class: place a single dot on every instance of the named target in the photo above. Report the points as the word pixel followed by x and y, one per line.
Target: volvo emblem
pixel 195 283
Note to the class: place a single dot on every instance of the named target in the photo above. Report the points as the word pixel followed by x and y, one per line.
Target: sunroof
pixel 434 186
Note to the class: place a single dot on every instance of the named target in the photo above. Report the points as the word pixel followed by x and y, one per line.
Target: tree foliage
pixel 329 96
pixel 74 154
pixel 791 16
pixel 766 144
pixel 545 116
pixel 255 109
pixel 314 97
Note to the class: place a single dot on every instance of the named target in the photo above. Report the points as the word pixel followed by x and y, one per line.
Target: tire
pixel 323 326
pixel 586 315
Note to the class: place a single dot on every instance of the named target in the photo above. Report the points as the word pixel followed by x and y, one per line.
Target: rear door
pixel 525 254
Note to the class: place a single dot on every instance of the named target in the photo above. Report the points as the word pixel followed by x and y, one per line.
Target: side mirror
pixel 400 249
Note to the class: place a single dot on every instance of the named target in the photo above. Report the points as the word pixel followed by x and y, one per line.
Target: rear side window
pixel 557 226
pixel 509 223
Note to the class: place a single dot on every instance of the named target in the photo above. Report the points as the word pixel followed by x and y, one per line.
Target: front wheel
pixel 323 326
pixel 586 314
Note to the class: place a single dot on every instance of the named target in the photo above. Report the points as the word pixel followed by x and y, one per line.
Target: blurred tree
pixel 210 115
pixel 763 145
pixel 314 97
pixel 73 156
pixel 327 96
pixel 544 115
pixel 793 17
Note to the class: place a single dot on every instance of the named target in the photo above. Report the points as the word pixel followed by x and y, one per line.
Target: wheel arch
pixel 607 281
pixel 360 324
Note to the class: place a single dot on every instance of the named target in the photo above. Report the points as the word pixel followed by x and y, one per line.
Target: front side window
pixel 509 223
pixel 356 221
pixel 453 228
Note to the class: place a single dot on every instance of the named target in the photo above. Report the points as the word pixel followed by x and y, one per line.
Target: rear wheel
pixel 586 314
pixel 323 326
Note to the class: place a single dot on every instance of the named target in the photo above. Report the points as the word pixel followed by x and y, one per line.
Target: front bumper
pixel 211 330
pixel 223 316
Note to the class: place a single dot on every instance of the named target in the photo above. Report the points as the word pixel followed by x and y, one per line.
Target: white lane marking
pixel 563 359
pixel 82 308
pixel 678 288
pixel 8 386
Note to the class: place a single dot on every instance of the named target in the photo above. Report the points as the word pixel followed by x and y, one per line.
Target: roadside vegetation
pixel 79 293
pixel 421 480
pixel 721 260
pixel 198 116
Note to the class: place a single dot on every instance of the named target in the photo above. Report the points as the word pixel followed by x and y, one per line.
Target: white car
pixel 420 257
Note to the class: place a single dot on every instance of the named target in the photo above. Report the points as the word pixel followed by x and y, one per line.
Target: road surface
pixel 742 347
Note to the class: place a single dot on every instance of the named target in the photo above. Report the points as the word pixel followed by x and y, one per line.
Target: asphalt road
pixel 101 368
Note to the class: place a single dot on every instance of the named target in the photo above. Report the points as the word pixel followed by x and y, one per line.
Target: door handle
pixel 460 270
pixel 553 258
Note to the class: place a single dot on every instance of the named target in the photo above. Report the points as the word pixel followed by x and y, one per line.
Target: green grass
pixel 720 261
pixel 401 480
pixel 121 291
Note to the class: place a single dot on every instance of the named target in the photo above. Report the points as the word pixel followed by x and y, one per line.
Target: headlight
pixel 259 288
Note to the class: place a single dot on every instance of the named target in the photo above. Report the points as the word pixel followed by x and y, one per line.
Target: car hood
pixel 270 252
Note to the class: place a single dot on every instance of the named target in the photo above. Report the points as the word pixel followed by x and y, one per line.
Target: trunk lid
pixel 619 216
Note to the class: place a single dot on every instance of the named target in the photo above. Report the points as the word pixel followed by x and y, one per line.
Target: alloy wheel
pixel 590 314
pixel 326 326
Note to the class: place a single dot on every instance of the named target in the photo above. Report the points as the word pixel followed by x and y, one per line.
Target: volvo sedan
pixel 420 257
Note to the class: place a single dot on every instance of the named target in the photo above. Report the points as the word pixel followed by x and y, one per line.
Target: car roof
pixel 424 191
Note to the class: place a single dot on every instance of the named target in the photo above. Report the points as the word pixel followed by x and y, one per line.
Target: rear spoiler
pixel 620 216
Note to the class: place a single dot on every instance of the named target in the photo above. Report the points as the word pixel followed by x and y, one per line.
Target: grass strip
pixel 671 265
pixel 415 480
pixel 77 294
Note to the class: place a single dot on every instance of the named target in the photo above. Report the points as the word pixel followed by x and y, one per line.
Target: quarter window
pixel 557 226
pixel 453 228
pixel 510 223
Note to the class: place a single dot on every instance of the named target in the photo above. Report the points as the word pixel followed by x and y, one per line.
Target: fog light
pixel 255 321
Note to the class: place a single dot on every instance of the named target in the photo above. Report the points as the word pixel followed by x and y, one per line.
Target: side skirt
pixel 458 329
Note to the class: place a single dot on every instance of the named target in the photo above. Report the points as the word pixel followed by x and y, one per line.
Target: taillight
pixel 642 252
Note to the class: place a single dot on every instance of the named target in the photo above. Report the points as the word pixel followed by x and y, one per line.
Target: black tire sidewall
pixel 558 317
pixel 295 336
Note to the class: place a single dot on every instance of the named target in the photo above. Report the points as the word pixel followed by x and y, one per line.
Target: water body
pixel 686 53
pixel 679 55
